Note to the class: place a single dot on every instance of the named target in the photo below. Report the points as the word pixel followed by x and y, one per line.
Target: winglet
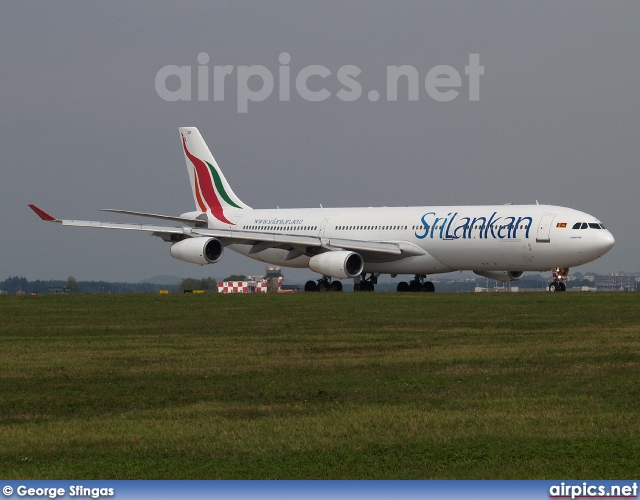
pixel 42 214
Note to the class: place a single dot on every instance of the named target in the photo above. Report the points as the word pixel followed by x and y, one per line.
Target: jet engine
pixel 501 275
pixel 200 250
pixel 338 264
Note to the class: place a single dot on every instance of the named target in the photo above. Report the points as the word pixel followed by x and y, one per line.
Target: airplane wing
pixel 110 225
pixel 373 251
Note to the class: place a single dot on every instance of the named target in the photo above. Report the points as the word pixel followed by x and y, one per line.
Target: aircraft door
pixel 234 224
pixel 544 228
pixel 322 228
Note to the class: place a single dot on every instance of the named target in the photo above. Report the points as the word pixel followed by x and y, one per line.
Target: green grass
pixel 337 386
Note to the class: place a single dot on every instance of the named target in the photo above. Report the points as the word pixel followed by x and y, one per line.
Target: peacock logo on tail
pixel 208 186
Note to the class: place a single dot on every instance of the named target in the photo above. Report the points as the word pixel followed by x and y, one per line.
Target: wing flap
pixel 366 246
pixel 195 221
pixel 130 227
pixel 254 237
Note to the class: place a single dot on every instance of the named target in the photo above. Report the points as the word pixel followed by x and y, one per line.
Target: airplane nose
pixel 605 241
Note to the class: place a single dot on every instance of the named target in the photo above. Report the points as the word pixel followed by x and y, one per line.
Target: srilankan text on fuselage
pixel 453 226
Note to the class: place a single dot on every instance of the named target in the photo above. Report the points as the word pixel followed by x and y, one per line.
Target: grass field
pixel 340 386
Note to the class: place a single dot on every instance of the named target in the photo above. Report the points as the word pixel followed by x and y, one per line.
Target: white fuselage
pixel 488 238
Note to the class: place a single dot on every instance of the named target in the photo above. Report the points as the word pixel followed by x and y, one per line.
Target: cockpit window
pixel 584 225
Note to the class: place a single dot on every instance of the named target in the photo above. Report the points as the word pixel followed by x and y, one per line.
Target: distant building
pixel 274 279
pixel 58 290
pixel 249 286
pixel 616 283
pixel 502 289
pixel 272 282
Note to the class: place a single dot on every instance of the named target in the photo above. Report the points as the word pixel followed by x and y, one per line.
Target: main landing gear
pixel 559 275
pixel 324 284
pixel 417 284
pixel 362 284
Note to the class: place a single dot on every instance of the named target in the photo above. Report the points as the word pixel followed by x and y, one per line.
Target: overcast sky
pixel 83 127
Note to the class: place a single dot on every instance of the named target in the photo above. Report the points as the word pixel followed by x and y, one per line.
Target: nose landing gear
pixel 559 275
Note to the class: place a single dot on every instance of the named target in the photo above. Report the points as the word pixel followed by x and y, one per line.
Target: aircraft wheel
pixel 323 286
pixel 310 286
pixel 563 287
pixel 403 286
pixel 428 286
pixel 336 286
pixel 553 287
pixel 415 286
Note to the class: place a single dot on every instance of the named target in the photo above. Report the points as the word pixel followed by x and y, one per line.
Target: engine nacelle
pixel 338 264
pixel 200 250
pixel 501 275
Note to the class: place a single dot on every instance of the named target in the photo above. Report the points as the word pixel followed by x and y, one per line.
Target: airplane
pixel 499 242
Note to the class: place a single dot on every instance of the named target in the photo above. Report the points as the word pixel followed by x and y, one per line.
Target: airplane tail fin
pixel 211 191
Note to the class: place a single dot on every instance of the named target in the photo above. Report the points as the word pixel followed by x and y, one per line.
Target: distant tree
pixel 236 277
pixel 73 285
pixel 189 284
pixel 199 284
pixel 14 284
pixel 210 284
